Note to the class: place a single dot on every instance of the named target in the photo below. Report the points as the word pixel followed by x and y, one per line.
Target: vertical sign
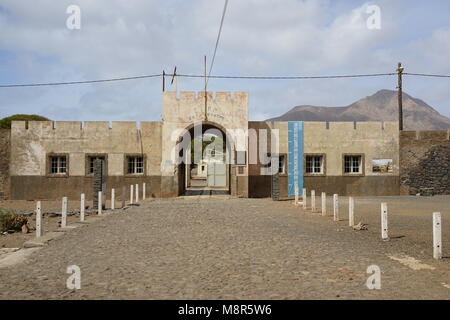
pixel 295 161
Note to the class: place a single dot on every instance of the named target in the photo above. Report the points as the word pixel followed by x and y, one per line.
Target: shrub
pixel 11 221
pixel 5 123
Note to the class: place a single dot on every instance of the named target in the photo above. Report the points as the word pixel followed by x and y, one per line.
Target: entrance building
pixel 207 145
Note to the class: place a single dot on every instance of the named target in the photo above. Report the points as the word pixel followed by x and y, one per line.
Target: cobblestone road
pixel 223 248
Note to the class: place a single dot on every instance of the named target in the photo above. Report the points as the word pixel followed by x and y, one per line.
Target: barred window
pixel 91 162
pixel 314 164
pixel 352 164
pixel 281 164
pixel 135 165
pixel 58 165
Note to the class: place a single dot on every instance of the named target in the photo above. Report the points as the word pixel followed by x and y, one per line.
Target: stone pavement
pixel 225 248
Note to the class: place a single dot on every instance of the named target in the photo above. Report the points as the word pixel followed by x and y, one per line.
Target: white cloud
pixel 122 37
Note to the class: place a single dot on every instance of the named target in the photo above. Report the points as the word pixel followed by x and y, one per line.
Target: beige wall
pixel 368 138
pixel 229 110
pixel 29 147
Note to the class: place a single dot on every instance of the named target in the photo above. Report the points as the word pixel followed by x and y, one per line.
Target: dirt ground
pixel 417 211
pixel 221 247
pixel 51 221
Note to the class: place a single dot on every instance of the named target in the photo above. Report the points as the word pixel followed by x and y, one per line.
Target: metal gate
pixel 217 174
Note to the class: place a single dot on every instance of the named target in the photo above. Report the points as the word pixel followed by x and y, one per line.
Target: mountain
pixel 381 106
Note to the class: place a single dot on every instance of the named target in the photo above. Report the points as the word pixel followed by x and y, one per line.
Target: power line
pixel 78 82
pixel 288 77
pixel 223 77
pixel 427 75
pixel 217 40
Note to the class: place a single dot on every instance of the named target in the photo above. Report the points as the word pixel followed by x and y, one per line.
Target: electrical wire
pixel 224 77
pixel 217 41
pixel 78 82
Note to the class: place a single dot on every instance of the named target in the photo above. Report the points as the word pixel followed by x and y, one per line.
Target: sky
pixel 121 38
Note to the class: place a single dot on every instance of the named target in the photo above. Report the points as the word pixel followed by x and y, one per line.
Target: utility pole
pixel 400 96
pixel 164 81
pixel 206 96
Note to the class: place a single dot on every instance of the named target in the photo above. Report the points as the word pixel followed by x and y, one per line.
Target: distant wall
pixel 32 142
pixel 5 152
pixel 424 161
pixel 371 140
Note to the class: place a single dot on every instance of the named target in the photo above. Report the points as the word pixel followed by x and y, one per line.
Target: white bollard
pixel 336 207
pixel 296 195
pixel 143 191
pixel 384 221
pixel 137 193
pixel 351 211
pixel 100 202
pixel 313 200
pixel 131 194
pixel 113 199
pixel 437 235
pixel 324 204
pixel 64 213
pixel 304 198
pixel 82 207
pixel 38 220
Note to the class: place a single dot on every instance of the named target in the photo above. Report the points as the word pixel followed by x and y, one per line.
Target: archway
pixel 207 153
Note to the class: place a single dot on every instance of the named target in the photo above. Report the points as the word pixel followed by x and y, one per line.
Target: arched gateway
pixel 201 144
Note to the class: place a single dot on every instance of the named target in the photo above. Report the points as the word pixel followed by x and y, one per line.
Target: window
pixel 58 164
pixel 314 164
pixel 135 165
pixel 281 164
pixel 241 170
pixel 91 162
pixel 353 164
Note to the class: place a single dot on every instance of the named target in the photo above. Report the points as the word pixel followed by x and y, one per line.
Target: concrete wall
pixel 372 140
pixel 5 154
pixel 226 110
pixel 30 147
pixel 425 161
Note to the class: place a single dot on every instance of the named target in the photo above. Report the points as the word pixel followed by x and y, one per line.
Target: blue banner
pixel 295 160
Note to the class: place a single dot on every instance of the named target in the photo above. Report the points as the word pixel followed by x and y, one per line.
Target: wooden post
pixel 122 196
pixel 131 194
pixel 64 213
pixel 38 220
pixel 143 191
pixel 82 207
pixel 336 207
pixel 351 211
pixel 164 81
pixel 324 204
pixel 313 200
pixel 400 96
pixel 206 95
pixel 113 199
pixel 384 221
pixel 437 235
pixel 304 198
pixel 137 193
pixel 100 203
